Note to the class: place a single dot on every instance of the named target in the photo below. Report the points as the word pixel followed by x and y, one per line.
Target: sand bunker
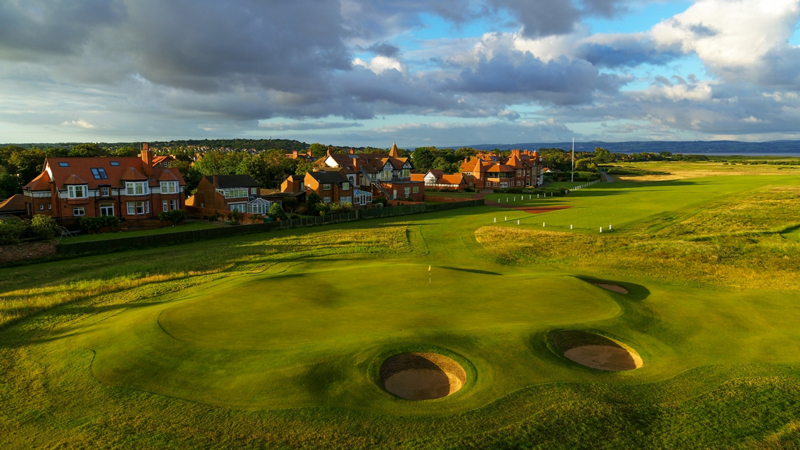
pixel 422 376
pixel 597 352
pixel 611 287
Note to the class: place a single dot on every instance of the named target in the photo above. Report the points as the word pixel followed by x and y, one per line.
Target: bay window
pixel 78 191
pixel 136 188
pixel 169 187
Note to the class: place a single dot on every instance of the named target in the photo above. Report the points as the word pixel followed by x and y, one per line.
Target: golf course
pixel 510 325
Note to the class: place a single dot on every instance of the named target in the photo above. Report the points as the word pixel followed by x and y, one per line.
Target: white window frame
pixel 140 207
pixel 173 204
pixel 131 208
pixel 73 189
pixel 76 209
pixel 326 200
pixel 407 191
pixel 415 189
pixel 345 186
pixel 136 188
pixel 105 191
pixel 164 206
pixel 106 208
pixel 169 187
pixel 254 191
pixel 326 187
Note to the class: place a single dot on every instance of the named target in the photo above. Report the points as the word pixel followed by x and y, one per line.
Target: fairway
pixel 677 328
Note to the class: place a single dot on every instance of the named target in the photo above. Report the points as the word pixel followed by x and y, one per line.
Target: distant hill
pixel 685 147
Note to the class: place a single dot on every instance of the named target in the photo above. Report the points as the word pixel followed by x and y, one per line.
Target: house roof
pixel 233 181
pixel 15 203
pixel 328 177
pixel 418 177
pixel 78 170
pixel 40 183
pixel 436 172
pixel 452 179
pixel 500 168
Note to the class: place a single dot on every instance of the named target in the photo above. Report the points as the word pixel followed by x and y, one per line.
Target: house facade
pixel 522 169
pixel 230 193
pixel 129 188
pixel 437 179
pixel 380 174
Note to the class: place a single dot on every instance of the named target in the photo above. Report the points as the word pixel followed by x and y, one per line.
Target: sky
pixel 373 72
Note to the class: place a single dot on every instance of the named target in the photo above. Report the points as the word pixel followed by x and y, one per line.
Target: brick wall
pixel 27 250
pixel 197 212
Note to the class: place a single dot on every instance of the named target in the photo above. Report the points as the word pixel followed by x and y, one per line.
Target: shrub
pixel 44 227
pixel 470 189
pixel 235 216
pixel 381 200
pixel 95 223
pixel 276 212
pixel 12 230
pixel 175 216
pixel 301 210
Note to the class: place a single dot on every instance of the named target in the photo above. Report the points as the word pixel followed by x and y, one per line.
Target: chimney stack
pixel 216 180
pixel 352 151
pixel 294 154
pixel 147 159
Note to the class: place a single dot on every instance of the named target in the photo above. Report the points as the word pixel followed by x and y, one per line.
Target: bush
pixel 470 189
pixel 95 223
pixel 277 212
pixel 44 227
pixel 235 216
pixel 175 216
pixel 381 200
pixel 12 230
pixel 301 210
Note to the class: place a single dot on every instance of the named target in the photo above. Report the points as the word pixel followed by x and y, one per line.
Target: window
pixel 77 191
pixel 136 188
pixel 169 187
pixel 406 173
pixel 50 206
pixel 115 163
pixel 345 186
pixel 519 183
pixel 173 204
pixel 415 189
pixel 107 210
pixel 519 173
pixel 131 208
pixel 139 208
pixel 165 206
pixel 63 164
pixel 326 187
pixel 407 191
pixel 78 211
pixel 41 207
pixel 254 191
pixel 241 207
pixel 105 192
pixel 326 200
pixel 99 173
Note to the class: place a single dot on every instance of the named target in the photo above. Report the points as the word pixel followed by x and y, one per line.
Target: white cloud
pixel 80 123
pixel 381 63
pixel 731 35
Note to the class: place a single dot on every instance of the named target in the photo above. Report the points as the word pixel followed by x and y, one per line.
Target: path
pixel 607 177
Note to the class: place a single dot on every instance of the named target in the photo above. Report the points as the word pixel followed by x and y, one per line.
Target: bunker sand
pixel 422 376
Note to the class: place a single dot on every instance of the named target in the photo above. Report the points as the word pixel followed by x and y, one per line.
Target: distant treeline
pixel 683 147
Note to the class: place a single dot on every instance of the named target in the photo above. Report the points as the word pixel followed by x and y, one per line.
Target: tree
pixel 8 185
pixel 423 158
pixel 602 155
pixel 585 165
pixel 83 150
pixel 26 165
pixel 127 151
pixel 318 150
pixel 190 175
pixel 312 200
pixel 303 167
pixel 276 212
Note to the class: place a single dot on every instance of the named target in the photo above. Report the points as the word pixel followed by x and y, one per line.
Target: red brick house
pixel 522 169
pixel 129 188
pixel 381 174
pixel 437 179
pixel 230 193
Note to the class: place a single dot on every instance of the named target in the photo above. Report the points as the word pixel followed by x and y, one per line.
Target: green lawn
pixel 191 226
pixel 275 340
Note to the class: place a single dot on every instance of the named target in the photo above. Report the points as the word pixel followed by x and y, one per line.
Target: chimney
pixel 215 179
pixel 329 151
pixel 466 160
pixel 515 152
pixel 147 159
pixel 352 151
pixel 309 152
pixel 294 154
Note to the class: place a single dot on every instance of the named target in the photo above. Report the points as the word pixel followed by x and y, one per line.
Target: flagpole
pixel 573 160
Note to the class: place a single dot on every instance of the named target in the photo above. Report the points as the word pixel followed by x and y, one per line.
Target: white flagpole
pixel 573 160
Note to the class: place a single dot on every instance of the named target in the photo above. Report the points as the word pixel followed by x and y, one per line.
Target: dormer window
pixel 78 191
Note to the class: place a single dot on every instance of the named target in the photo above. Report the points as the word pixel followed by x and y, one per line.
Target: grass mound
pixel 422 376
pixel 595 351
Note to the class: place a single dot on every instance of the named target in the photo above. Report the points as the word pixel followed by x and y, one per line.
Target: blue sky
pixel 439 72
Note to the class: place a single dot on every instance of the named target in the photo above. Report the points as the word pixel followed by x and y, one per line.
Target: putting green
pixel 236 342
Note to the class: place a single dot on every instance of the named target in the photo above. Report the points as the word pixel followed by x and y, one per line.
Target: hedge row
pixel 214 233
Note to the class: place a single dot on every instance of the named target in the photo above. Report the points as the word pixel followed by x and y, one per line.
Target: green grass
pixel 273 340
pixel 191 226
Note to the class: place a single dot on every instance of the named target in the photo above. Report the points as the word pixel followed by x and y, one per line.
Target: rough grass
pixel 737 243
pixel 723 357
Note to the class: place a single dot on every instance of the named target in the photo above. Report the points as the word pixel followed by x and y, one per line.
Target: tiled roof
pixel 437 173
pixel 500 168
pixel 328 177
pixel 233 181
pixel 13 204
pixel 166 175
pixel 452 179
pixel 65 168
pixel 418 177
pixel 40 183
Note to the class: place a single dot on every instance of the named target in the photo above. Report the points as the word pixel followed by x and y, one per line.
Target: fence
pixel 577 188
pixel 181 237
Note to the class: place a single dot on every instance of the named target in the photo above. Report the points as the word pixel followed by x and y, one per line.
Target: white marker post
pixel 495 220
pixel 609 227
pixel 517 222
pixel 570 227
pixel 506 218
pixel 429 275
pixel 542 224
pixel 601 229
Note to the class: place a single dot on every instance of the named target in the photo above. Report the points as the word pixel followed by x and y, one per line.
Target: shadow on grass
pixel 635 291
pixel 481 272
